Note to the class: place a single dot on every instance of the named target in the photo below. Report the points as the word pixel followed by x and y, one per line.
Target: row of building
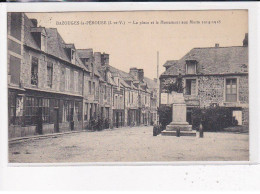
pixel 212 76
pixel 54 87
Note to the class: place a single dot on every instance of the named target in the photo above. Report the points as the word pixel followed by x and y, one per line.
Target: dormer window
pixel 72 55
pixel 191 67
pixel 43 42
pixel 39 34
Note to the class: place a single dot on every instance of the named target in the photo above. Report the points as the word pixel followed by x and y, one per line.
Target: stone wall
pixel 211 89
pixel 58 78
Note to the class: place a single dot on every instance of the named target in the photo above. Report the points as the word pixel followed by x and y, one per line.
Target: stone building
pixel 212 76
pixel 45 85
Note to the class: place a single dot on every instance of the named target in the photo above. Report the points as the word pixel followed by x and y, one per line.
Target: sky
pixel 132 43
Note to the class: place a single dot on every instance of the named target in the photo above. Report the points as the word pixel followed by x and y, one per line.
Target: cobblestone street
pixel 130 144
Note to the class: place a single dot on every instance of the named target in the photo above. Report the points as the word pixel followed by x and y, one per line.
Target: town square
pixel 106 93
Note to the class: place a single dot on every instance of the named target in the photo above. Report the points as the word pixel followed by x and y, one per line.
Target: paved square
pixel 135 144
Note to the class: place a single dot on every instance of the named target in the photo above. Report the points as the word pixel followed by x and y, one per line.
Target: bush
pixel 165 116
pixel 212 118
pixel 92 124
pixel 106 123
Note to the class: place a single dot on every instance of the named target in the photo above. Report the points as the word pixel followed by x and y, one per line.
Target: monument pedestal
pixel 178 119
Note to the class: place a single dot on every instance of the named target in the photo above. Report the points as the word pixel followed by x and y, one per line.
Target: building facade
pixel 54 87
pixel 45 84
pixel 212 76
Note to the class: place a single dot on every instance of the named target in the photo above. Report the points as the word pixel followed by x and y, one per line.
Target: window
pixel 32 110
pixel 77 110
pixel 86 61
pixel 16 25
pixel 45 104
pixel 49 74
pixel 67 79
pixel 129 97
pixel 121 102
pixel 89 87
pixel 72 55
pixel 14 69
pixel 231 90
pixel 76 81
pixel 191 67
pixel 91 111
pixel 190 88
pixel 107 112
pixel 115 101
pixel 95 110
pixel 12 107
pixel 94 88
pixel 34 71
pixel 66 108
pixel 43 42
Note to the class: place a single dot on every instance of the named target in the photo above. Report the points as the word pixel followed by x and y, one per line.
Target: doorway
pixel 56 120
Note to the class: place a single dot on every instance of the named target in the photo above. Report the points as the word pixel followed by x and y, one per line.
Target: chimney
pixel 34 22
pixel 245 41
pixel 216 45
pixel 104 59
pixel 134 72
pixel 140 74
pixel 97 59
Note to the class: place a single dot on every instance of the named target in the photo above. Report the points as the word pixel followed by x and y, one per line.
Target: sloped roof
pixel 170 63
pixel 55 43
pixel 85 53
pixel 214 60
pixel 122 74
pixel 57 47
pixel 28 38
pixel 150 83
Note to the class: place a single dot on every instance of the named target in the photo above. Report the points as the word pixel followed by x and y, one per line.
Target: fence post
pixel 178 131
pixel 201 130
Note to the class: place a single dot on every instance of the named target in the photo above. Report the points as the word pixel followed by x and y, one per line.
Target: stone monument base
pixel 179 122
pixel 184 127
pixel 182 133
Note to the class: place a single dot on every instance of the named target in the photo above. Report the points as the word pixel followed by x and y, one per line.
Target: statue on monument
pixel 176 86
pixel 179 88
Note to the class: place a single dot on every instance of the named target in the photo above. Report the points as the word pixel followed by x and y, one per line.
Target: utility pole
pixel 158 87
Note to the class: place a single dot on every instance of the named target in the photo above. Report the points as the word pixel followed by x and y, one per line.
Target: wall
pixel 58 78
pixel 211 89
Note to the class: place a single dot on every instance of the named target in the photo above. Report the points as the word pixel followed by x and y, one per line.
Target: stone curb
pixel 21 139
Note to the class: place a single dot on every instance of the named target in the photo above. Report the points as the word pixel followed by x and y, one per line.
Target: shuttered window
pixel 16 25
pixel 15 68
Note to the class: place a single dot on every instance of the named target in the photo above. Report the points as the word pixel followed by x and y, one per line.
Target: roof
pixel 85 53
pixel 122 74
pixel 150 83
pixel 213 60
pixel 170 63
pixel 55 43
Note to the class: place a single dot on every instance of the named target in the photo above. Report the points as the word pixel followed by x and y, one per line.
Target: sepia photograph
pixel 128 86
